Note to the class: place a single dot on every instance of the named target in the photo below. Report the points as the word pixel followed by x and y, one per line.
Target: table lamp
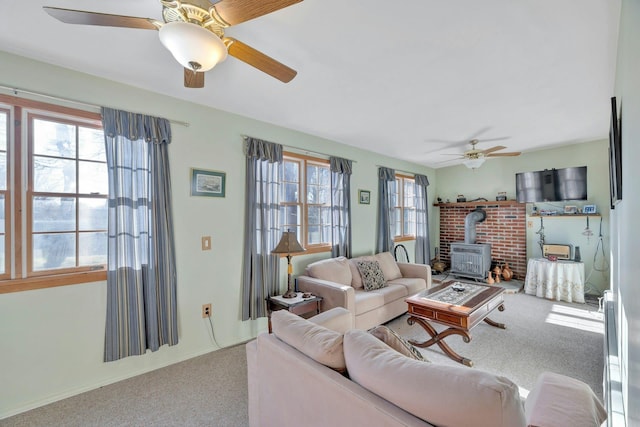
pixel 288 244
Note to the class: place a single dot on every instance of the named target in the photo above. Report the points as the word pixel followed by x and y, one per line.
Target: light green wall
pixel 624 218
pixel 498 174
pixel 52 339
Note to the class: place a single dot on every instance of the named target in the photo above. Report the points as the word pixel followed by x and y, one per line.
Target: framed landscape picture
pixel 207 183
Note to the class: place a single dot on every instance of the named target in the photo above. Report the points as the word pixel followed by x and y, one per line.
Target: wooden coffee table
pixel 440 304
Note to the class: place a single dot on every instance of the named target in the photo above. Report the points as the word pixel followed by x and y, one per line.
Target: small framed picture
pixel 570 209
pixel 207 183
pixel 589 209
pixel 364 197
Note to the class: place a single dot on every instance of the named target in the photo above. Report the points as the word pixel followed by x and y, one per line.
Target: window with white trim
pixel 404 202
pixel 53 194
pixel 305 202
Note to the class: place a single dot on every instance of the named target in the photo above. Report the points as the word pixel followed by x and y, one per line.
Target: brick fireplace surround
pixel 504 229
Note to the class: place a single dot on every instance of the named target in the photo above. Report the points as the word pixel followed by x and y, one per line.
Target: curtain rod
pixel 399 170
pixel 304 150
pixel 15 91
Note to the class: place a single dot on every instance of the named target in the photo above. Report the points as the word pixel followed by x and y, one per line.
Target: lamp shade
pixel 288 244
pixel 474 163
pixel 190 43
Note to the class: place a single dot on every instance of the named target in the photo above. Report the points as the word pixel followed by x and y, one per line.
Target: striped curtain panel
pixel 141 276
pixel 386 212
pixel 423 246
pixel 341 170
pixel 261 269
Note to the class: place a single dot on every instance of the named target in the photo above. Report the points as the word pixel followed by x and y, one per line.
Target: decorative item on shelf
pixel 570 209
pixel 507 273
pixel 288 244
pixel 589 209
pixel 490 280
pixel 461 198
pixel 501 197
pixel 498 272
pixel 576 254
pixel 439 199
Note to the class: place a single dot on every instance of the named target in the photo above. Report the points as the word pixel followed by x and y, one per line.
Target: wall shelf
pixel 501 203
pixel 596 215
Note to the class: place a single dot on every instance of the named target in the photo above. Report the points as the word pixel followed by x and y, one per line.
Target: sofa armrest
pixel 422 271
pixel 333 294
pixel 560 401
pixel 252 382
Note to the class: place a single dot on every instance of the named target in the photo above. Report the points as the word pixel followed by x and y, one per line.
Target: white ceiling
pixel 411 79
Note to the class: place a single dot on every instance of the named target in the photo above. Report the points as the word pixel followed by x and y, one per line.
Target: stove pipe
pixel 470 222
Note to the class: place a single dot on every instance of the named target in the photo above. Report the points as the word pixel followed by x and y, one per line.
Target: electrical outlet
pixel 206 310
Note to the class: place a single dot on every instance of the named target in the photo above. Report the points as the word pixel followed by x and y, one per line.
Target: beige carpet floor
pixel 211 390
pixel 541 335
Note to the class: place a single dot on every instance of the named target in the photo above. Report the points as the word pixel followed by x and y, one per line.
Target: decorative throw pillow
pixel 396 342
pixel 372 277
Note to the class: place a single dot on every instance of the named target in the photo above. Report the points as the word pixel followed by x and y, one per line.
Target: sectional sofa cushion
pixel 333 269
pixel 389 266
pixel 396 342
pixel 559 400
pixel 372 277
pixel 317 342
pixel 429 390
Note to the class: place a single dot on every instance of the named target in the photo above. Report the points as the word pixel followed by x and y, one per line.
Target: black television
pixel 552 185
pixel 615 155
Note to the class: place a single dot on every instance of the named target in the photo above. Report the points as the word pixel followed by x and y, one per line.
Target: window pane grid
pixel 4 200
pixel 405 208
pixel 65 185
pixel 310 180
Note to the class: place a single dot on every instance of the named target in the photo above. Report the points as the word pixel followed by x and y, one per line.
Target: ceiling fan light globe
pixel 474 163
pixel 190 43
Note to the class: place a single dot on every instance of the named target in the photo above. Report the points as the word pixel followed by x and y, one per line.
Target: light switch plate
pixel 206 243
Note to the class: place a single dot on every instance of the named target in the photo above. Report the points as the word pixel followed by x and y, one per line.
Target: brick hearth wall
pixel 504 229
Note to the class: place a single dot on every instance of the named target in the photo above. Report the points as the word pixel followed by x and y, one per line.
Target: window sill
pixel 42 282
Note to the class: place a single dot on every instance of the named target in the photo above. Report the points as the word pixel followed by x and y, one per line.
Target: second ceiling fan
pixel 474 158
pixel 193 31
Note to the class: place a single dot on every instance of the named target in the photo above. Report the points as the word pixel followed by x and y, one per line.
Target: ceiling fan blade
pixel 512 154
pixel 234 12
pixel 492 149
pixel 502 138
pixel 259 60
pixel 70 16
pixel 193 79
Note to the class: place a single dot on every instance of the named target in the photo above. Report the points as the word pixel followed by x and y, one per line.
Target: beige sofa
pixel 339 282
pixel 297 378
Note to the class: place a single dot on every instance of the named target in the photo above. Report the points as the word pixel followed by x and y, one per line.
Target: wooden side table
pixel 297 305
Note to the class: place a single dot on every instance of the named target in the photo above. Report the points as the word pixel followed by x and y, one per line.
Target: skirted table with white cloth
pixel 557 280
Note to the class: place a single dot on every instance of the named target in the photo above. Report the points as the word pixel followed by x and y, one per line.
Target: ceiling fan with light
pixel 193 31
pixel 474 158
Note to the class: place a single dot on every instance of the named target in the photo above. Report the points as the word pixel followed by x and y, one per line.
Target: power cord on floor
pixel 213 334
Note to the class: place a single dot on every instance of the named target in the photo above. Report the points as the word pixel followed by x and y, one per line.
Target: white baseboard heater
pixel 612 376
